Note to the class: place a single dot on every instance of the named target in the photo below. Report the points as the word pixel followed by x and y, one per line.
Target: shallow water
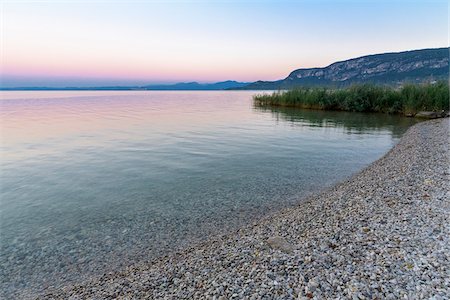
pixel 94 181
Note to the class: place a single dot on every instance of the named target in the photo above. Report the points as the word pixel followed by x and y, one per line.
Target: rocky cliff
pixel 389 68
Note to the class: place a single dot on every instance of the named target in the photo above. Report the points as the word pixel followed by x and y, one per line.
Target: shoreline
pixel 383 233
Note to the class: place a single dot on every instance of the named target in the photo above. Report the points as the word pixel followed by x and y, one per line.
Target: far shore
pixel 382 234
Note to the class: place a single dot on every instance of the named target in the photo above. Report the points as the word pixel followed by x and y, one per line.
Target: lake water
pixel 94 181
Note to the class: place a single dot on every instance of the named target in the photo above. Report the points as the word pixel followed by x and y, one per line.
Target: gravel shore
pixel 382 234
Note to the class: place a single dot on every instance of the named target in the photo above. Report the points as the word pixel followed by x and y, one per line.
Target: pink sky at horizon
pixel 97 43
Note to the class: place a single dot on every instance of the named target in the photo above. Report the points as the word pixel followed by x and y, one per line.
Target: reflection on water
pixel 94 182
pixel 352 122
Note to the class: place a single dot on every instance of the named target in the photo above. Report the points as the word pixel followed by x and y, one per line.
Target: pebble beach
pixel 382 234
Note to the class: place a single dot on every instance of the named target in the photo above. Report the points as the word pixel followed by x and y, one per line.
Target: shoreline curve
pixel 381 234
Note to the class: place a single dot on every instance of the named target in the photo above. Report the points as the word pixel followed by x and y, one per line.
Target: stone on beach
pixel 280 243
pixel 431 114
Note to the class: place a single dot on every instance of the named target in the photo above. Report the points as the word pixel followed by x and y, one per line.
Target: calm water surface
pixel 94 181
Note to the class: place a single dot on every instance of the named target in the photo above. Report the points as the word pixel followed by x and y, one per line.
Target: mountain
pixel 415 66
pixel 181 86
pixel 229 84
pixel 388 68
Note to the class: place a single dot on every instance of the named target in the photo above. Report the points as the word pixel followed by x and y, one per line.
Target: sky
pixel 102 43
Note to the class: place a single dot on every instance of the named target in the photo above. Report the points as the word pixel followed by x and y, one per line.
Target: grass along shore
pixel 382 234
pixel 407 100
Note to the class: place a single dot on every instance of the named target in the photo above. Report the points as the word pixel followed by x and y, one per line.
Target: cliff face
pixel 389 68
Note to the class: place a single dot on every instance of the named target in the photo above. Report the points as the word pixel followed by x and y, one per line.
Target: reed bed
pixel 408 99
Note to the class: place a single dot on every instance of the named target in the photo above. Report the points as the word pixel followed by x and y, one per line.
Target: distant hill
pixel 389 68
pixel 181 86
pixel 229 84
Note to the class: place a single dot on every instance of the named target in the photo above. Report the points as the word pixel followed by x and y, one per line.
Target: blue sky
pixel 84 43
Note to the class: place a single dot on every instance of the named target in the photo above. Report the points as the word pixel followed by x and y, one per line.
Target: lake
pixel 95 181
